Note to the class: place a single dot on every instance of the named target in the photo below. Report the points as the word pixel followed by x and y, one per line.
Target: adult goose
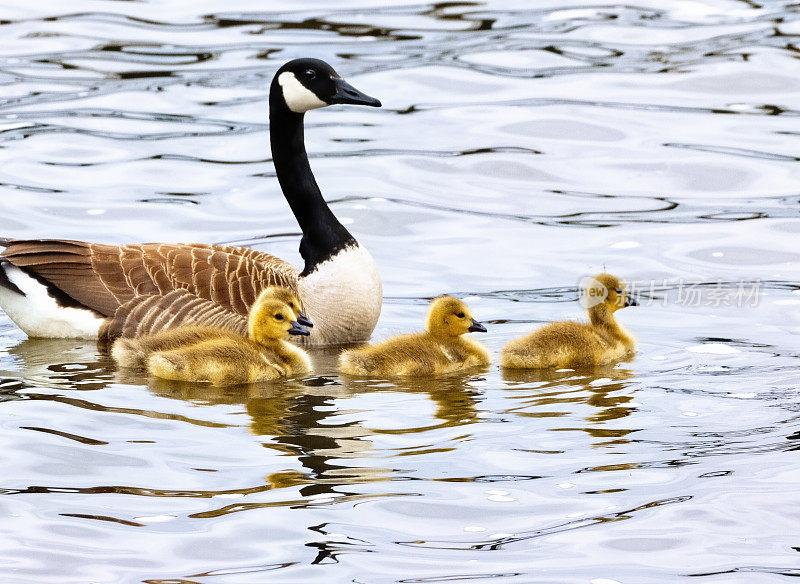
pixel 72 289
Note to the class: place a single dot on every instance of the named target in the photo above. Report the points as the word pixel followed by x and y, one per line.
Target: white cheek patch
pixel 299 98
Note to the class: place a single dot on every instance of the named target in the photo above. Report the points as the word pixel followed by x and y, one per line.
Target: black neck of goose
pixel 323 235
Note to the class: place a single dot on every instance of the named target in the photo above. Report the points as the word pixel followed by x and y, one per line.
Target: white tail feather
pixel 39 315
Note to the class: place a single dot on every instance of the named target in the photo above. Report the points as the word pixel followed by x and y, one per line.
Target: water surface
pixel 518 150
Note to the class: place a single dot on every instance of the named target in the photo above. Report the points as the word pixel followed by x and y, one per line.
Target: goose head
pixel 272 320
pixel 285 295
pixel 306 84
pixel 450 317
pixel 606 292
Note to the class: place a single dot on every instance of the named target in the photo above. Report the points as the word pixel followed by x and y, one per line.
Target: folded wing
pixel 146 287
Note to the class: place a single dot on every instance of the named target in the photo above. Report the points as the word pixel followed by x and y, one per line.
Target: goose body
pixel 568 344
pixel 218 356
pixel 441 349
pixel 72 289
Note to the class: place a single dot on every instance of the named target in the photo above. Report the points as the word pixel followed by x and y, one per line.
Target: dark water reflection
pixel 519 148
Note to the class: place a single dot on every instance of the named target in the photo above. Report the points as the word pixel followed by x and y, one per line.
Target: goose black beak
pixel 346 93
pixel 298 329
pixel 631 301
pixel 303 319
pixel 476 327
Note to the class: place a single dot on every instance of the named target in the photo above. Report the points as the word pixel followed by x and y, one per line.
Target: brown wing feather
pixel 106 277
pixel 68 266
pixel 148 314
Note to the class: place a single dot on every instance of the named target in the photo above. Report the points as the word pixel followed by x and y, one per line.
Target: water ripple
pixel 519 148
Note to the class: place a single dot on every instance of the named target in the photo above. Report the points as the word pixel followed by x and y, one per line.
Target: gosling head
pixel 306 84
pixel 606 292
pixel 271 320
pixel 285 295
pixel 450 317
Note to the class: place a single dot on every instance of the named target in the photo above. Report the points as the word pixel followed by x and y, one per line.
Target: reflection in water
pixel 293 419
pixel 607 389
pixel 296 417
pixel 454 396
pixel 67 363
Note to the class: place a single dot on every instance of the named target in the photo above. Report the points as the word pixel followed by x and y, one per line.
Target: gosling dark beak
pixel 298 329
pixel 631 301
pixel 346 93
pixel 476 327
pixel 303 319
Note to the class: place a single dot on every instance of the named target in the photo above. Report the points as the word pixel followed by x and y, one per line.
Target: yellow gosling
pixel 207 354
pixel 264 356
pixel 573 345
pixel 442 348
pixel 133 353
pixel 286 295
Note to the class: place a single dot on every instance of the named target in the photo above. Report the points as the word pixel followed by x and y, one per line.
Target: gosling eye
pixel 618 290
pixel 311 74
pixel 278 317
pixel 460 315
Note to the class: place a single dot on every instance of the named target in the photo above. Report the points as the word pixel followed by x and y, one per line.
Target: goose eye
pixel 311 74
pixel 278 317
pixel 460 315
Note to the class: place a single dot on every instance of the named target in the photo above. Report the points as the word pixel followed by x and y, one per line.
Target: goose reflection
pixel 67 363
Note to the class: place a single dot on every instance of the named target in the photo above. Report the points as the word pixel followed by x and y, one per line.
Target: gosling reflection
pixel 455 397
pixel 604 388
pixel 300 419
pixel 297 418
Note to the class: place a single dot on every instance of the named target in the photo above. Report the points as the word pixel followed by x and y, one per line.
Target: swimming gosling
pixel 133 353
pixel 442 348
pixel 573 345
pixel 221 357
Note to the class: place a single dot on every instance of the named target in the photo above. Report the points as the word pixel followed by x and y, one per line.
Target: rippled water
pixel 518 149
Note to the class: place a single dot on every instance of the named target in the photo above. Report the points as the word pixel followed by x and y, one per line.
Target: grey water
pixel 521 146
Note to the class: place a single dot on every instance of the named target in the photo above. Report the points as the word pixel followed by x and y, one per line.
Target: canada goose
pixel 66 289
pixel 442 348
pixel 208 354
pixel 573 344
